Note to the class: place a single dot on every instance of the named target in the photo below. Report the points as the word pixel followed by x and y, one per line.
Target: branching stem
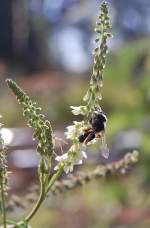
pixel 43 192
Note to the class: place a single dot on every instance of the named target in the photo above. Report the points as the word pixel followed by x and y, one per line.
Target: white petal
pixel 61 158
pixel 70 128
pixel 84 155
pixel 78 162
pixel 67 134
pixel 75 110
pixel 68 168
pixel 56 167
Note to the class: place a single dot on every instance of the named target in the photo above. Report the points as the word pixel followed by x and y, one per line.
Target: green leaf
pixel 11 222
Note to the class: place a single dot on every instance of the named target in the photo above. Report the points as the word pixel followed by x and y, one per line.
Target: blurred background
pixel 46 45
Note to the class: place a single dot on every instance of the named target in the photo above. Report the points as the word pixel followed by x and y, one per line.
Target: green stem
pixel 43 194
pixel 46 180
pixel 3 205
pixel 38 204
pixel 54 178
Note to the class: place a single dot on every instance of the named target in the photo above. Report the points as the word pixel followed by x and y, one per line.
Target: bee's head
pixel 99 115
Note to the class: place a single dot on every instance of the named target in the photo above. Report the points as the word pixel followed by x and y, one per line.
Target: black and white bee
pixel 96 129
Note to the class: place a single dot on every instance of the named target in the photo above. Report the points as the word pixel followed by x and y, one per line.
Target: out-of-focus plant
pixel 81 134
pixel 3 177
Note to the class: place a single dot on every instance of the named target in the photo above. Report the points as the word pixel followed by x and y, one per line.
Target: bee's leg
pixel 90 137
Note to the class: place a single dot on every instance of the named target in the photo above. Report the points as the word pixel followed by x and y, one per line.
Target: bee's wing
pixel 104 147
pixel 105 151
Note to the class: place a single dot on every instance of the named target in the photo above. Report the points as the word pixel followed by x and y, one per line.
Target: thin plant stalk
pixel 56 176
pixel 43 194
pixel 37 205
pixel 3 204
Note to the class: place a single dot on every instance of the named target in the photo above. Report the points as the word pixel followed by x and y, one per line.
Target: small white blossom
pixel 79 159
pixel 70 132
pixel 62 158
pixel 77 110
pixel 68 168
pixel 70 159
pixel 74 130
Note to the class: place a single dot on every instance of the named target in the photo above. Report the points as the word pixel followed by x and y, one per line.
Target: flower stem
pixel 3 205
pixel 43 194
pixel 37 205
pixel 54 178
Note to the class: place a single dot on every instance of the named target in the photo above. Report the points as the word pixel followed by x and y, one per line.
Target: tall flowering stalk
pixel 92 98
pixel 43 133
pixel 3 176
pixel 42 127
pixel 93 95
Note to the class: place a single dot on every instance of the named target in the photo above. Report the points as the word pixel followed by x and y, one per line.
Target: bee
pixel 96 129
pixel 97 126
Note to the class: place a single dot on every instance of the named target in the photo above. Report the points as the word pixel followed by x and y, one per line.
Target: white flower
pixel 77 110
pixel 74 130
pixel 79 159
pixel 65 161
pixel 68 168
pixel 70 159
pixel 62 158
pixel 76 160
pixel 70 132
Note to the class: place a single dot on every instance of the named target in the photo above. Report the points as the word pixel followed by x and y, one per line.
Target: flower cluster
pixel 71 158
pixel 36 120
pixel 75 155
pixel 42 127
pixel 93 95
